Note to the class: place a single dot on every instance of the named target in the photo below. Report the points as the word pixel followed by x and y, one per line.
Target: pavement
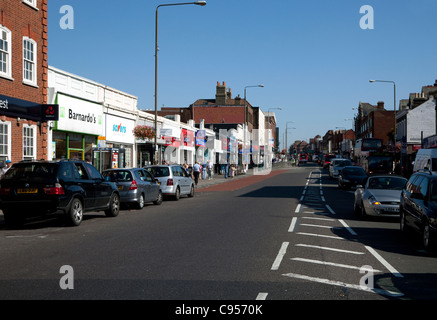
pixel 219 179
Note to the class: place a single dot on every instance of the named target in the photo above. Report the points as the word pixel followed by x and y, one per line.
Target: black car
pixel 66 187
pixel 351 176
pixel 418 207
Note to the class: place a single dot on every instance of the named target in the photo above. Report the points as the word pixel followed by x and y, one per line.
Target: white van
pixel 426 159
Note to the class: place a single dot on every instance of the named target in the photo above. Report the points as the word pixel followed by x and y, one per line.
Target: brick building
pixel 23 80
pixel 375 122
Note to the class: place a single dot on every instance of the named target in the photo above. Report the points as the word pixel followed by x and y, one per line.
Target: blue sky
pixel 312 57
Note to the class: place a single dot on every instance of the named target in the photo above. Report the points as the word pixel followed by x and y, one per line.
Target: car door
pixel 153 187
pixel 86 183
pixel 102 189
pixel 143 184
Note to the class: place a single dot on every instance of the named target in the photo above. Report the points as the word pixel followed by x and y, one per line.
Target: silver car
pixel 135 185
pixel 380 196
pixel 173 179
pixel 337 165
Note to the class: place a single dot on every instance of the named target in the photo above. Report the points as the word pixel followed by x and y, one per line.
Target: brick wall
pixel 23 20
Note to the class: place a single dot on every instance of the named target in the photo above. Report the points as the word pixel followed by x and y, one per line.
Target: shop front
pixel 75 133
pixel 116 148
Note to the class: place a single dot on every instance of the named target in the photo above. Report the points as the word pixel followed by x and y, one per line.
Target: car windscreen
pixel 342 163
pixel 392 183
pixel 118 175
pixel 31 170
pixel 159 171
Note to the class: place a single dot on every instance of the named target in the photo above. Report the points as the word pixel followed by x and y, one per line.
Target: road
pixel 290 235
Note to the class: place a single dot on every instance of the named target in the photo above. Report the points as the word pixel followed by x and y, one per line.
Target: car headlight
pixel 373 201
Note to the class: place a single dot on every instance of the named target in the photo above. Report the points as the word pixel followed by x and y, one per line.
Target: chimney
pixel 221 95
pixel 229 94
pixel 380 105
pixel 237 100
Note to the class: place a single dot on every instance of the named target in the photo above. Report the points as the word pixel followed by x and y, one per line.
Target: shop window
pixel 29 61
pixel 59 139
pixel 29 142
pixel 5 52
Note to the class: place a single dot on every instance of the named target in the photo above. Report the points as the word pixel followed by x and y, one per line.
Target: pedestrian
pixel 209 169
pixel 232 171
pixel 6 167
pixel 196 172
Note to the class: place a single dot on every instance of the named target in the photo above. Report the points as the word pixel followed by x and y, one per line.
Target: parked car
pixel 380 196
pixel 66 187
pixel 173 179
pixel 418 207
pixel 351 176
pixel 336 165
pixel 136 186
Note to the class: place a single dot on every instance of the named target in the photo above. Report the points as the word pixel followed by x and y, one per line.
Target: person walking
pixel 196 172
pixel 209 169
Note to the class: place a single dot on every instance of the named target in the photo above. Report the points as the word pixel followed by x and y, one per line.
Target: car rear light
pixel 169 182
pixel 5 191
pixel 133 185
pixel 57 189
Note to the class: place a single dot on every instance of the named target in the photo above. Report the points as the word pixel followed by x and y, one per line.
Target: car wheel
pixel 177 194
pixel 114 206
pixel 426 237
pixel 158 201
pixel 402 222
pixel 191 194
pixel 140 203
pixel 75 215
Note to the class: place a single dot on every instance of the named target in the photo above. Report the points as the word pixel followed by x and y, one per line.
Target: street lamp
pixel 394 106
pixel 199 3
pixel 268 120
pixel 246 127
pixel 286 135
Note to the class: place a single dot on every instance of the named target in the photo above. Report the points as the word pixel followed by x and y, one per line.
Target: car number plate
pixel 392 209
pixel 27 190
pixel 120 187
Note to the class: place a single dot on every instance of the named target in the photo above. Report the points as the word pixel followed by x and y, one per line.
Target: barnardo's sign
pixel 13 107
pixel 79 115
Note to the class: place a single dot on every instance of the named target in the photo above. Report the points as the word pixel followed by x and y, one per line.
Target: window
pixel 4 141
pixel 5 52
pixel 29 61
pixel 29 142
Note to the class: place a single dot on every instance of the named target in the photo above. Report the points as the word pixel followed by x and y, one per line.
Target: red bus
pixel 369 153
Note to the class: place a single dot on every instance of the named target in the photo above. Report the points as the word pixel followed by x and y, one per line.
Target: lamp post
pixel 269 130
pixel 199 3
pixel 286 135
pixel 246 127
pixel 394 107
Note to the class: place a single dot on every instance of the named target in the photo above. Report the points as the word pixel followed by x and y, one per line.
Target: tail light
pixel 5 191
pixel 57 189
pixel 133 185
pixel 170 182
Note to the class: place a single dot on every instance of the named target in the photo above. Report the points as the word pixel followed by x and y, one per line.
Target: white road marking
pixel 318 226
pixel 352 232
pixel 292 225
pixel 317 218
pixel 330 209
pixel 280 255
pixel 340 265
pixel 345 285
pixel 327 248
pixel 261 296
pixel 384 262
pixel 297 208
pixel 319 235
